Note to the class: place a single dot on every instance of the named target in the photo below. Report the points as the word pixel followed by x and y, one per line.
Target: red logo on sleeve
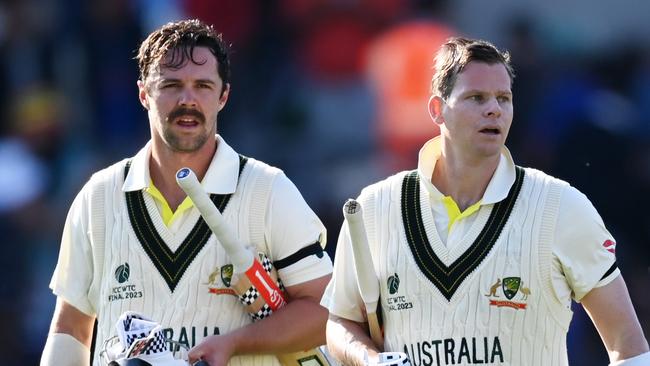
pixel 610 245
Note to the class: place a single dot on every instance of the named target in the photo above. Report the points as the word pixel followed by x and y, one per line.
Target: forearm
pixel 612 312
pixel 349 342
pixel 298 326
pixel 69 320
pixel 68 342
pixel 628 344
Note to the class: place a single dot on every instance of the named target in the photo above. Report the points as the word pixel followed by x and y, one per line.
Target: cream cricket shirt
pixel 490 286
pixel 104 269
pixel 579 254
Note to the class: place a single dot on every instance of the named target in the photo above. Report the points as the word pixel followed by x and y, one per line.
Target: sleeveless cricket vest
pixel 487 301
pixel 182 279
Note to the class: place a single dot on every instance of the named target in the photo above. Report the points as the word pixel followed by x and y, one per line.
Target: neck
pixel 164 163
pixel 465 180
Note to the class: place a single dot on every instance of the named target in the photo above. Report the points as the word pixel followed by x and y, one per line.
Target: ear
pixel 224 97
pixel 435 109
pixel 142 94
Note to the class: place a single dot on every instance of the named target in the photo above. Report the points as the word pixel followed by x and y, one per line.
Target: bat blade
pixel 366 276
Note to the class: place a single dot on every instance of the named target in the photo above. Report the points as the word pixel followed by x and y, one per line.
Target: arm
pixel 275 334
pixel 612 312
pixel 586 252
pixel 349 343
pixel 68 342
pixel 71 331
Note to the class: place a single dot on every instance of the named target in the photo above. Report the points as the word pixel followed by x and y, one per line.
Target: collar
pixel 498 188
pixel 221 177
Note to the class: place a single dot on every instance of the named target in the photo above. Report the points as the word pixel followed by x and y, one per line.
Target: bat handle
pixel 200 363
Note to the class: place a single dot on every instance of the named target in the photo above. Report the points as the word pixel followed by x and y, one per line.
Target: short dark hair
pixel 456 53
pixel 180 38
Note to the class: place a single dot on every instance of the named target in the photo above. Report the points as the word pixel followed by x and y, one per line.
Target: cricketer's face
pixel 477 115
pixel 183 103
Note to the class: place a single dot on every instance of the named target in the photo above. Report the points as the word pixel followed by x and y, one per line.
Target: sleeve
pixel 342 296
pixel 295 235
pixel 74 269
pixel 584 249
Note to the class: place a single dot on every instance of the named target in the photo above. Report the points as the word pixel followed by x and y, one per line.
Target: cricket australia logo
pixel 514 291
pixel 222 287
pixel 396 303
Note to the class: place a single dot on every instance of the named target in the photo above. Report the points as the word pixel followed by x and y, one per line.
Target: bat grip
pixel 241 258
pixel 200 363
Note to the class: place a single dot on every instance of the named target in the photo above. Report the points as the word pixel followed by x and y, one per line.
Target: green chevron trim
pixel 448 278
pixel 170 265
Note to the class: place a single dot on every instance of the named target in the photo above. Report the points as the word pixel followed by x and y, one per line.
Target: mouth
pixel 493 131
pixel 185 121
pixel 186 117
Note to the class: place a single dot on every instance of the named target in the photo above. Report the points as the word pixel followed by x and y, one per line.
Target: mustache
pixel 183 111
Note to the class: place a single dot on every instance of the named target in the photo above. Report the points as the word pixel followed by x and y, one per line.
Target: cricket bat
pixel 255 281
pixel 366 276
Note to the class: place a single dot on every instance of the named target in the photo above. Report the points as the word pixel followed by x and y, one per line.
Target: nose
pixel 492 108
pixel 187 98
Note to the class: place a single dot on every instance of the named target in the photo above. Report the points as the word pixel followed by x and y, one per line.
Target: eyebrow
pixel 477 91
pixel 206 81
pixel 174 80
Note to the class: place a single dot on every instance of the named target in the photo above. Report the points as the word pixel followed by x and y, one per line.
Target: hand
pixel 216 350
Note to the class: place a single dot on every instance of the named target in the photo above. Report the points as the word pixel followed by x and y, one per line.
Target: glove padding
pixel 141 343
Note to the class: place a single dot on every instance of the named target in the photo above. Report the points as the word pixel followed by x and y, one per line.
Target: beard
pixel 181 142
pixel 185 143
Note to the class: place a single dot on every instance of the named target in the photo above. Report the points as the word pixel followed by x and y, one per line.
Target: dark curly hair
pixel 180 38
pixel 456 53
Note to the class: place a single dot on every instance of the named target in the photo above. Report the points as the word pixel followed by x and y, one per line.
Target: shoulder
pixel 269 181
pixel 261 169
pixel 110 176
pixel 575 204
pixel 379 197
pixel 99 188
pixel 110 172
pixel 539 176
pixel 386 185
pixel 570 198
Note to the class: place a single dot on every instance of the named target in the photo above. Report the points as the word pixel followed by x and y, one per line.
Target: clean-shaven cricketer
pixel 479 259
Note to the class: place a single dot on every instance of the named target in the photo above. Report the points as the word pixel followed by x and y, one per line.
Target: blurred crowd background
pixel 332 91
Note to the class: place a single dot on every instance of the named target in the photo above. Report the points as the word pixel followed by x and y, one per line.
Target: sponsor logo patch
pixel 396 303
pixel 122 273
pixel 393 284
pixel 610 246
pixel 124 290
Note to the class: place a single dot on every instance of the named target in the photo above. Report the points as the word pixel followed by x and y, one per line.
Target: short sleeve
pixel 292 226
pixel 74 269
pixel 342 296
pixel 583 247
